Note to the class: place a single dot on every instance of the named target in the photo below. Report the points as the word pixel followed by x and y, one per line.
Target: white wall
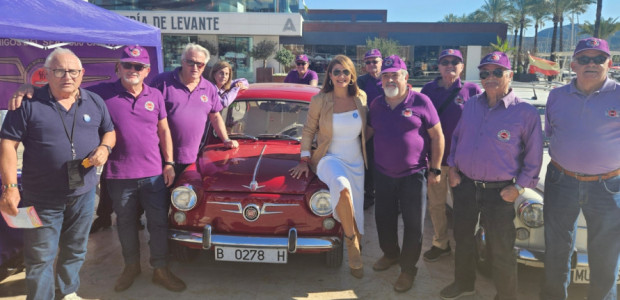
pixel 474 55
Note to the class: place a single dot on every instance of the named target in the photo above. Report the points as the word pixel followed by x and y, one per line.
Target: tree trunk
pixel 561 33
pixel 554 37
pixel 535 38
pixel 514 45
pixel 520 45
pixel 597 23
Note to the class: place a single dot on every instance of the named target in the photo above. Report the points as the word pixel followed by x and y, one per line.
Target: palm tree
pixel 577 7
pixel 521 9
pixel 607 27
pixel 452 18
pixel 495 10
pixel 540 13
pixel 502 46
pixel 597 23
pixel 514 23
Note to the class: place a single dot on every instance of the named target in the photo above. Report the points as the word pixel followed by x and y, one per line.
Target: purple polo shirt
pixel 499 143
pixel 136 154
pixel 372 86
pixel 452 112
pixel 401 139
pixel 293 77
pixel 187 112
pixel 37 124
pixel 584 130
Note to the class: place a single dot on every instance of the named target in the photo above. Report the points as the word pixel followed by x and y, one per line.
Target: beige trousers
pixel 437 195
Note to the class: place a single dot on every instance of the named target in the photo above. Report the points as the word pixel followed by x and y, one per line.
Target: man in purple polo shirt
pixel 189 100
pixel 134 174
pixel 583 124
pixel 496 151
pixel 406 128
pixel 66 131
pixel 371 84
pixel 449 95
pixel 301 74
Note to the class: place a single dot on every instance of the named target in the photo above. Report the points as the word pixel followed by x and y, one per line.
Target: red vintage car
pixel 242 203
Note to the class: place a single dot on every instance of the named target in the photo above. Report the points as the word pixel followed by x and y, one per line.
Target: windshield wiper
pixel 270 136
pixel 242 136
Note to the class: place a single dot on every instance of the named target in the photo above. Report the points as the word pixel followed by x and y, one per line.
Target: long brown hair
pixel 219 66
pixel 346 62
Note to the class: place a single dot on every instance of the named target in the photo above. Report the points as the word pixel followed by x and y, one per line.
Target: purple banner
pixel 21 63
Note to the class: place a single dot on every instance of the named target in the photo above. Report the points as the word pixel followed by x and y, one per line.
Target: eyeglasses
pixel 498 73
pixel 337 72
pixel 585 60
pixel 137 67
pixel 301 63
pixel 446 62
pixel 60 73
pixel 192 63
pixel 374 62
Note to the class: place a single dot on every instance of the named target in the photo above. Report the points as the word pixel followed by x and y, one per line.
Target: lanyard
pixel 70 137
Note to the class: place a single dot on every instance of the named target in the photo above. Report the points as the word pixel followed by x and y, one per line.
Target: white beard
pixel 391 91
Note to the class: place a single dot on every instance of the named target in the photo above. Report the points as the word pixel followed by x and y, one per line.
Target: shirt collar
pixel 121 89
pixel 507 100
pixel 608 85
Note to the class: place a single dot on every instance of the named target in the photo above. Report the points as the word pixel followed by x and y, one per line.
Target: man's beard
pixel 132 81
pixel 391 91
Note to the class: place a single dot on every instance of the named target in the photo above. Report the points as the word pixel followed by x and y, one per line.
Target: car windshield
pixel 265 119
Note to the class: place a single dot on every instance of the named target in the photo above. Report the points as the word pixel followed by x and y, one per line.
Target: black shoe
pixel 454 292
pixel 435 253
pixel 100 223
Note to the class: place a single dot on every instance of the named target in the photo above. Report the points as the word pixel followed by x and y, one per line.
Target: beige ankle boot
pixel 355 257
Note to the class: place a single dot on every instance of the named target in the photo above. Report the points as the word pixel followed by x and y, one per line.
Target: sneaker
pixel 435 253
pixel 72 296
pixel 454 292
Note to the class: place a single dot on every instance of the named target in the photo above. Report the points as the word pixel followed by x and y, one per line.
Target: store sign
pixel 278 24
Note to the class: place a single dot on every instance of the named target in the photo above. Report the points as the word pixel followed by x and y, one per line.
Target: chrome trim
pixel 264 211
pixel 206 233
pixel 251 206
pixel 529 258
pixel 223 240
pixel 292 240
pixel 237 204
pixel 254 184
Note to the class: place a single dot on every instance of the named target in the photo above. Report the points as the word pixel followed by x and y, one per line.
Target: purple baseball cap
pixel 135 54
pixel 450 52
pixel 496 58
pixel 592 43
pixel 393 63
pixel 372 53
pixel 301 57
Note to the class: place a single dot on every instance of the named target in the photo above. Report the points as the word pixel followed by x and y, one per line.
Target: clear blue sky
pixel 435 10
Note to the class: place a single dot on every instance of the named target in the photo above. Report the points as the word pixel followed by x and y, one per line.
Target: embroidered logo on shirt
pixel 612 113
pixel 149 105
pixel 459 100
pixel 204 98
pixel 503 135
pixel 407 112
pixel 86 118
pixel 355 115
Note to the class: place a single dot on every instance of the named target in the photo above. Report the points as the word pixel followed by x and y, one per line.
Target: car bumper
pixel 292 243
pixel 536 258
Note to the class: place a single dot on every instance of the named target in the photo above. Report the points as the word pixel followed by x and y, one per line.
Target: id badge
pixel 75 174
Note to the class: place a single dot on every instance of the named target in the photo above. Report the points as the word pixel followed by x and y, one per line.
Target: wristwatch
pixel 519 188
pixel 107 147
pixel 434 171
pixel 10 185
pixel 169 163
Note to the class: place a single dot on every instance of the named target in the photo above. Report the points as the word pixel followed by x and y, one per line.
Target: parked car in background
pixel 242 204
pixel 11 246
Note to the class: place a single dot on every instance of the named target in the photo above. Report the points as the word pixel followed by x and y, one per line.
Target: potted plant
pixel 285 57
pixel 262 51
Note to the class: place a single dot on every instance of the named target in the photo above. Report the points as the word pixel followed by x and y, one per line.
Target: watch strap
pixel 107 147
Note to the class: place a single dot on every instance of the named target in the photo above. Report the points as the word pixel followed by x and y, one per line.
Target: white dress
pixel 343 165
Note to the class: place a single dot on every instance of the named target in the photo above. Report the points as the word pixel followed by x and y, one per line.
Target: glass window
pixel 173 46
pixel 235 50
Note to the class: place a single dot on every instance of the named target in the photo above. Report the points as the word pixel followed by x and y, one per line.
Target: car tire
pixel 483 259
pixel 181 253
pixel 333 258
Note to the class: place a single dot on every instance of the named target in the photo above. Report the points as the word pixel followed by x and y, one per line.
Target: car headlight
pixel 531 213
pixel 183 198
pixel 319 203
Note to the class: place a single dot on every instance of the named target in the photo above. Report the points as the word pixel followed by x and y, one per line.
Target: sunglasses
pixel 585 60
pixel 301 63
pixel 498 73
pixel 374 62
pixel 137 67
pixel 446 62
pixel 192 63
pixel 60 73
pixel 337 72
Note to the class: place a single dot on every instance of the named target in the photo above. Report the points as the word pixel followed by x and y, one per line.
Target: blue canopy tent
pixel 30 30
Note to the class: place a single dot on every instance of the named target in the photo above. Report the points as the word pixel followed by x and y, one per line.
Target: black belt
pixel 489 184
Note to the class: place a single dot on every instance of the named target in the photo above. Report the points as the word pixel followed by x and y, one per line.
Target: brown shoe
pixel 404 282
pixel 384 263
pixel 126 279
pixel 165 278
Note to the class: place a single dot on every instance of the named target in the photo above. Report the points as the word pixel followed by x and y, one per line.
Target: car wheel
pixel 182 253
pixel 483 259
pixel 333 258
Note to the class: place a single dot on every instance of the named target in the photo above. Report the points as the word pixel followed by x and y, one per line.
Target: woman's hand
pixel 300 169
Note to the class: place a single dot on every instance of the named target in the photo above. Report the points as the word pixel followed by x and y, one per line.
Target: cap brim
pixel 491 63
pixel 389 70
pixel 450 55
pixel 584 49
pixel 133 60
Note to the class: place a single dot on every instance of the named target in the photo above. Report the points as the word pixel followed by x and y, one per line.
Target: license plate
pixel 257 255
pixel 582 275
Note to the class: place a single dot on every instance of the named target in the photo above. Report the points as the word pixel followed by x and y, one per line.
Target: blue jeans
pixel 408 193
pixel 599 201
pixel 497 219
pixel 151 193
pixel 66 223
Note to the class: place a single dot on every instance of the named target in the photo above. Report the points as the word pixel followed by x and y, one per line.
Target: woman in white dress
pixel 337 117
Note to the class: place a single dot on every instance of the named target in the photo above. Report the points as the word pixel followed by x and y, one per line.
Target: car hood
pixel 543 170
pixel 254 167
